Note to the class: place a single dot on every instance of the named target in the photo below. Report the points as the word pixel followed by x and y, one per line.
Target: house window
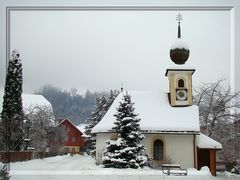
pixel 69 139
pixel 180 83
pixel 67 149
pixel 158 150
pixel 73 139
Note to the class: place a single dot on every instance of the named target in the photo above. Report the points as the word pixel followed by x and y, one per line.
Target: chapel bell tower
pixel 180 77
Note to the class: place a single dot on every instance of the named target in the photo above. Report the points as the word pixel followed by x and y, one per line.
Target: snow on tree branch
pixel 126 151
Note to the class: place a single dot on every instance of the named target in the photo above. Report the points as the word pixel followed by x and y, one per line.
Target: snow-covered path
pixel 67 162
pixel 83 167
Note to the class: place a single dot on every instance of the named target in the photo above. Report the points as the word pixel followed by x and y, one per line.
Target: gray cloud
pixel 99 50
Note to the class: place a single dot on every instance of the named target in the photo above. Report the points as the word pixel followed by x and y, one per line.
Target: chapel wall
pixel 178 149
pixel 101 145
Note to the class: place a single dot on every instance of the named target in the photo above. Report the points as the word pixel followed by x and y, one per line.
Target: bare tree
pixel 44 134
pixel 219 110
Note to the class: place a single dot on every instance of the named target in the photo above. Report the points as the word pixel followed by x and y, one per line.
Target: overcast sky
pixel 99 50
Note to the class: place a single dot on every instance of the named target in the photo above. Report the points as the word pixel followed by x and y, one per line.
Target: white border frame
pixel 233 7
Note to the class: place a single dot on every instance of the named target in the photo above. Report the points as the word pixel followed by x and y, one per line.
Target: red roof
pixel 73 125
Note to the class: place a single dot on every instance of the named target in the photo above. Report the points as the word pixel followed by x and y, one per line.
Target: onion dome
pixel 179 51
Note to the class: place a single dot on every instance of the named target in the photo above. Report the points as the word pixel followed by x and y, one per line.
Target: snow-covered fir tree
pixel 111 97
pixel 103 103
pixel 96 116
pixel 126 151
pixel 12 111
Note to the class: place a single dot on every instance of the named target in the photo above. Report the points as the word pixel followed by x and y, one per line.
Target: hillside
pixel 69 104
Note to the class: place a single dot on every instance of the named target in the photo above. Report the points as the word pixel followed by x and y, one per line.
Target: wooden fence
pixel 14 156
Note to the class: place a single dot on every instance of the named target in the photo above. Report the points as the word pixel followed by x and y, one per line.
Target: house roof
pixel 156 114
pixel 33 99
pixel 29 100
pixel 81 128
pixel 205 142
pixel 70 122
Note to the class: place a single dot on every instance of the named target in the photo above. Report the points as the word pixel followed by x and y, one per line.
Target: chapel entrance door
pixel 203 158
pixel 207 157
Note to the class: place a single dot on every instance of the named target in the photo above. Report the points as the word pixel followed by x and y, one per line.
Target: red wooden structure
pixel 75 140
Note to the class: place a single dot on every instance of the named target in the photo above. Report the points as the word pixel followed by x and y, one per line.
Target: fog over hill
pixel 68 103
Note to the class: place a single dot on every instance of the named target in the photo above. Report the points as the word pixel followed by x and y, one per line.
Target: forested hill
pixel 69 104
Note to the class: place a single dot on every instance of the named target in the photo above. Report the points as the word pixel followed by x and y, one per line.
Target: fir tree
pixel 96 116
pixel 112 96
pixel 113 154
pixel 12 111
pixel 103 103
pixel 127 150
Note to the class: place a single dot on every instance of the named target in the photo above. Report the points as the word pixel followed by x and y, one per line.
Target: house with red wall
pixel 75 140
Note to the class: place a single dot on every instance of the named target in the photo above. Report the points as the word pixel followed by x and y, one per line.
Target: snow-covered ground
pixel 83 167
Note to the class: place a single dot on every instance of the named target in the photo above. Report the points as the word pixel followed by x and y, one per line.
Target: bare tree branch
pixel 219 111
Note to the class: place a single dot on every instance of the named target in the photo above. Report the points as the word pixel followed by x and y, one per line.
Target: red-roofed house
pixel 75 140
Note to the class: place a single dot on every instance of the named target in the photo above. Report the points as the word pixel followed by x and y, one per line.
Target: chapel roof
pixel 205 142
pixel 156 114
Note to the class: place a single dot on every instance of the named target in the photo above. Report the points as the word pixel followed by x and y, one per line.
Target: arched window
pixel 158 150
pixel 180 83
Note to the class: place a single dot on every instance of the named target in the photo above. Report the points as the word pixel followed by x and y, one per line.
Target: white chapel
pixel 169 120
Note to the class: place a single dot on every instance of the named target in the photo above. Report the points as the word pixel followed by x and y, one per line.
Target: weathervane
pixel 179 18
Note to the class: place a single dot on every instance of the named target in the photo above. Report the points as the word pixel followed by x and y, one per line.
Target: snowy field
pixel 83 167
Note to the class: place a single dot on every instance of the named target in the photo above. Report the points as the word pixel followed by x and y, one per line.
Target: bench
pixel 174 169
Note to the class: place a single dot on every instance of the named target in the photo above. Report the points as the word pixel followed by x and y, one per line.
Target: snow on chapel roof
pixel 155 113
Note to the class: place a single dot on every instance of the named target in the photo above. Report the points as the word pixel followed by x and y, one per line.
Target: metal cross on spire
pixel 179 18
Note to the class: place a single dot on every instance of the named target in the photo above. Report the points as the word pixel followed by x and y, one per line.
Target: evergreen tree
pixel 103 103
pixel 111 97
pixel 127 151
pixel 113 154
pixel 4 174
pixel 97 114
pixel 69 104
pixel 12 111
